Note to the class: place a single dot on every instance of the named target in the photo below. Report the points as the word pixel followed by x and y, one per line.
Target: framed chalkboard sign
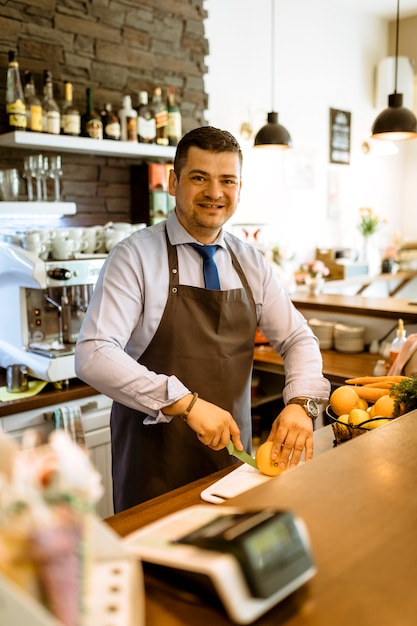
pixel 340 136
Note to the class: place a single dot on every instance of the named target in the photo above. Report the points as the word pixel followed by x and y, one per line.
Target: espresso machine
pixel 42 306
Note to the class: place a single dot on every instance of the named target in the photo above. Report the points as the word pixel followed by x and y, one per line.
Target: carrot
pixel 380 385
pixel 371 394
pixel 364 380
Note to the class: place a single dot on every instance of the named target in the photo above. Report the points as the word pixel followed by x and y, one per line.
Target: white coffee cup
pixel 58 234
pixel 63 249
pixel 38 249
pixel 112 238
pixel 31 239
pixel 93 242
pixel 125 226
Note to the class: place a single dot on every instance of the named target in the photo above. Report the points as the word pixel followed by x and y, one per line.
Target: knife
pixel 241 454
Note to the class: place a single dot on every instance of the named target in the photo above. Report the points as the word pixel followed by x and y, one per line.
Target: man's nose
pixel 213 189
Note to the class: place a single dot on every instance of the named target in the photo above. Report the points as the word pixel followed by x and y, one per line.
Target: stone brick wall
pixel 117 47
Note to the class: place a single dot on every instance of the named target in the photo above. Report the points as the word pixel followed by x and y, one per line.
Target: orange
pixel 384 407
pixel 264 462
pixel 357 416
pixel 344 399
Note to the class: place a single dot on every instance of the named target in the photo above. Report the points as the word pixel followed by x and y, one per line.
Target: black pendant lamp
pixel 396 123
pixel 273 135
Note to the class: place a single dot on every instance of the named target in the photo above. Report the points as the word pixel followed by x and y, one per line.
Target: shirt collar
pixel 178 235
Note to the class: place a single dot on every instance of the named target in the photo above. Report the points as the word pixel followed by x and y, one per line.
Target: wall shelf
pixel 36 209
pixel 84 145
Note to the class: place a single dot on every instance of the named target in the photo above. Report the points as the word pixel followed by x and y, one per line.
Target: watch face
pixel 312 408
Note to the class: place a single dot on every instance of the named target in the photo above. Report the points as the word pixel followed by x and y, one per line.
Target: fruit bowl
pixel 344 432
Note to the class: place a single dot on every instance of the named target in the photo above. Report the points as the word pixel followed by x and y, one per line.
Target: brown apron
pixel 205 338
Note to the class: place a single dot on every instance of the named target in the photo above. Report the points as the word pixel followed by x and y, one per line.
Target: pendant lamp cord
pixel 273 54
pixel 396 44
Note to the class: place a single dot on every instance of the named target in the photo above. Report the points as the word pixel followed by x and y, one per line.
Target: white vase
pixel 315 284
pixel 371 255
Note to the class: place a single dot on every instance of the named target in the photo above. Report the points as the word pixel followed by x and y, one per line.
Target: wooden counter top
pixel 388 308
pixel 337 366
pixel 46 397
pixel 358 503
pixel 147 512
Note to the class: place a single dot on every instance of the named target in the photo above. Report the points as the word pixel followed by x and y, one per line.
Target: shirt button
pixel 154 406
pixel 174 271
pixel 174 290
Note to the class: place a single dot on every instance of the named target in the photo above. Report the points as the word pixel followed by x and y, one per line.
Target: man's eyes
pixel 225 181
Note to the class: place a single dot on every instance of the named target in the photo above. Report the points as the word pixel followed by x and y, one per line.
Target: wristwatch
pixel 309 405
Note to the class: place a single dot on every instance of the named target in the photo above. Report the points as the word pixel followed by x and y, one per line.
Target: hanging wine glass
pixel 28 175
pixel 37 167
pixel 55 172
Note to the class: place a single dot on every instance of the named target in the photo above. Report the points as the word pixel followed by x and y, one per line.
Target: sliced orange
pixel 264 462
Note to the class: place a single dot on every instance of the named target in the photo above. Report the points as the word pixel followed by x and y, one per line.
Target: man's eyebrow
pixel 204 173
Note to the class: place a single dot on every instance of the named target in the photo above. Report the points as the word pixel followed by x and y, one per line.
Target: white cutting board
pixel 239 480
pixel 242 479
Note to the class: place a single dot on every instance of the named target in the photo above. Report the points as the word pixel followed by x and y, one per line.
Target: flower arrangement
pixel 46 496
pixel 315 269
pixel 369 222
pixel 280 254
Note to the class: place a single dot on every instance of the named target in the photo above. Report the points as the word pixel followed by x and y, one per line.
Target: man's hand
pixel 291 432
pixel 214 426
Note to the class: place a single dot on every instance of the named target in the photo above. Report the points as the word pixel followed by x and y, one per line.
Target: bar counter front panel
pixel 359 503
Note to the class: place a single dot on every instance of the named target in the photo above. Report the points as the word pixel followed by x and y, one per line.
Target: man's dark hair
pixel 206 138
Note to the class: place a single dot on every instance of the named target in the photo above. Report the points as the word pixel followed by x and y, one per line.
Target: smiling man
pixel 175 351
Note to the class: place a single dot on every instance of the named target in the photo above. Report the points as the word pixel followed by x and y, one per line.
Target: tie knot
pixel 207 252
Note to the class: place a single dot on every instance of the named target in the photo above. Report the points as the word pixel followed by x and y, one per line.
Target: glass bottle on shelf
pixel 70 118
pixel 33 105
pixel 398 342
pixel 111 123
pixel 128 120
pixel 91 123
pixel 174 119
pixel 160 113
pixel 146 121
pixel 15 99
pixel 51 112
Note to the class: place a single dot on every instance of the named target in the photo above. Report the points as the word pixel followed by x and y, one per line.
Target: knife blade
pixel 241 454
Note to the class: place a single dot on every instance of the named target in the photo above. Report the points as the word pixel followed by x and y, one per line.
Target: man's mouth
pixel 207 205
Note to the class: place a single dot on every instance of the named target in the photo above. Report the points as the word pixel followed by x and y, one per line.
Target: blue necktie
pixel 211 276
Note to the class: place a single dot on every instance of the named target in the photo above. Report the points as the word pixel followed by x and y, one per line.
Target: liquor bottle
pixel 160 113
pixel 33 105
pixel 174 119
pixel 91 124
pixel 111 123
pixel 70 117
pixel 128 120
pixel 51 113
pixel 398 342
pixel 146 121
pixel 15 100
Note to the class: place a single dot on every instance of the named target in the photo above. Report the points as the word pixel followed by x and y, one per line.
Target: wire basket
pixel 344 432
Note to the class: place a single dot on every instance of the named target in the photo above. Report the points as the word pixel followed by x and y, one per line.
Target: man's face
pixel 207 192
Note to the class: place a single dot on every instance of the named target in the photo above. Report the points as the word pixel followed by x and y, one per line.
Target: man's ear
pixel 172 183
